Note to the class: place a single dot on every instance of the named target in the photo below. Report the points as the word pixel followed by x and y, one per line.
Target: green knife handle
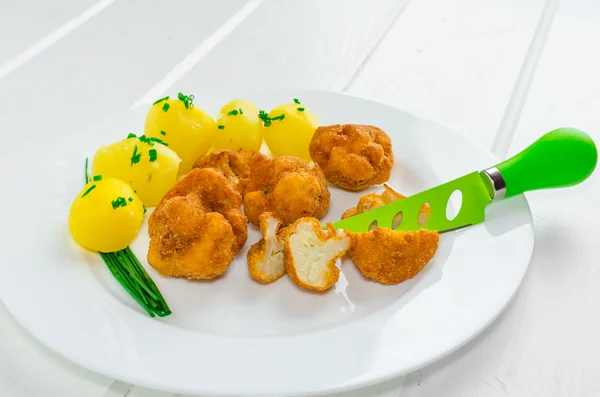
pixel 562 157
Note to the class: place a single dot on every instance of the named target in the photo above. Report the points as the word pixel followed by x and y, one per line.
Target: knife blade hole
pixel 454 205
pixel 373 225
pixel 424 213
pixel 397 220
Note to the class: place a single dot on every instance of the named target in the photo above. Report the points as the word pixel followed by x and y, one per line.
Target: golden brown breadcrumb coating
pixel 371 201
pixel 198 227
pixel 234 165
pixel 353 156
pixel 390 257
pixel 286 186
pixel 311 253
pixel 265 258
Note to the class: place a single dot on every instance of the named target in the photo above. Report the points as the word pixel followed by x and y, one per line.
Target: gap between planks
pixel 52 38
pixel 512 113
pixel 370 53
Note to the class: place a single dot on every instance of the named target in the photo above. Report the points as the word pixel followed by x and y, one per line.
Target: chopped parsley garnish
pixel 166 107
pixel 97 178
pixel 144 209
pixel 296 101
pixel 266 192
pixel 89 190
pixel 234 112
pixel 188 100
pixel 301 109
pixel 135 158
pixel 130 199
pixel 221 127
pixel 119 202
pixel 131 135
pixel 241 111
pixel 162 133
pixel 160 100
pixel 153 155
pixel 266 119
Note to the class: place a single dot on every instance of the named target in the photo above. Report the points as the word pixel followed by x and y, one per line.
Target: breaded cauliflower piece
pixel 353 156
pixel 265 258
pixel 390 257
pixel 286 186
pixel 371 201
pixel 198 227
pixel 311 253
pixel 235 166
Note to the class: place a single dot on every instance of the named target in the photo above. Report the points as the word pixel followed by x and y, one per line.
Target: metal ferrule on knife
pixel 497 182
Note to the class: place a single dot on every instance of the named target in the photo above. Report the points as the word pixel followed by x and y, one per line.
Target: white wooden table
pixel 504 71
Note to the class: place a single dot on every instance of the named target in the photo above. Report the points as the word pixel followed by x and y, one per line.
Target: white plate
pixel 232 336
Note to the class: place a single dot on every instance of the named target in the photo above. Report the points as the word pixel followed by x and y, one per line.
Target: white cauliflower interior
pixel 273 264
pixel 313 257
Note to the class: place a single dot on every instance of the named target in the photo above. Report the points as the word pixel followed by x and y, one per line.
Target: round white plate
pixel 233 336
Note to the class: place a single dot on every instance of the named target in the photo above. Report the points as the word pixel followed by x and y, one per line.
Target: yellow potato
pixel 106 216
pixel 291 135
pixel 188 131
pixel 150 174
pixel 238 129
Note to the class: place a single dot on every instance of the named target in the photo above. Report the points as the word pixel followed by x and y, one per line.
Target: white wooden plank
pixel 22 23
pixel 29 369
pixel 290 43
pixel 546 344
pixel 453 61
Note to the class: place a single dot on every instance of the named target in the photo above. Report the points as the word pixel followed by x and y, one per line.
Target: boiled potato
pixel 149 167
pixel 106 215
pixel 188 131
pixel 290 135
pixel 238 127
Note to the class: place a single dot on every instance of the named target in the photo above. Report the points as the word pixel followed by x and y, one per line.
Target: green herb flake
pixel 221 127
pixel 188 100
pixel 280 117
pixel 130 199
pixel 157 140
pixel 161 99
pixel 166 107
pixel 135 158
pixel 301 109
pixel 144 209
pixel 266 192
pixel 162 133
pixel 89 190
pixel 241 111
pixel 234 112
pixel 153 155
pixel 296 101
pixel 119 202
pixel 131 135
pixel 97 178
pixel 87 176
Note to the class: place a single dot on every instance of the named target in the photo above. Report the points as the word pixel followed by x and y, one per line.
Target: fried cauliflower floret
pixel 311 253
pixel 371 201
pixel 235 166
pixel 198 227
pixel 353 156
pixel 265 258
pixel 390 257
pixel 286 186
